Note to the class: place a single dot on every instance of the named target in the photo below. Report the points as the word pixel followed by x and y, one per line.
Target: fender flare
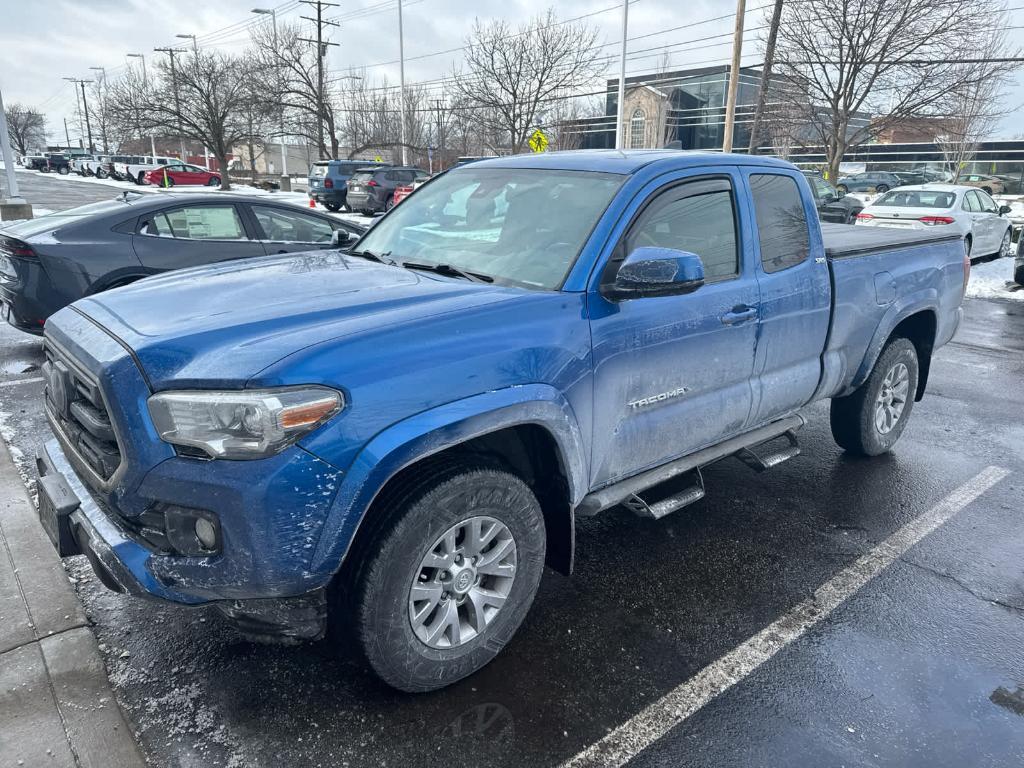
pixel 429 432
pixel 920 301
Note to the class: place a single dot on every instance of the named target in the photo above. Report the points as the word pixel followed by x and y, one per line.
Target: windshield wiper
pixel 380 258
pixel 448 269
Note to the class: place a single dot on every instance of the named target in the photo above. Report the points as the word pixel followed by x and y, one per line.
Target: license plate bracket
pixel 56 503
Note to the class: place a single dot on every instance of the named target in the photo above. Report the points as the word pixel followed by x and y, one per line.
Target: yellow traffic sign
pixel 538 141
pixel 378 159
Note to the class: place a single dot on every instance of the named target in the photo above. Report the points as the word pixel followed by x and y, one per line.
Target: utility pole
pixel 321 54
pixel 67 136
pixel 620 118
pixel 172 52
pixel 440 135
pixel 85 109
pixel 401 85
pixel 78 103
pixel 285 185
pixel 734 77
pixel 766 78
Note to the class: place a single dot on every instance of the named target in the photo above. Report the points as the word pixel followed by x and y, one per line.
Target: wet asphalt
pixel 923 666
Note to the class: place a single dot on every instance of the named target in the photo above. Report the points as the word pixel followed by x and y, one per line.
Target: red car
pixel 405 190
pixel 181 173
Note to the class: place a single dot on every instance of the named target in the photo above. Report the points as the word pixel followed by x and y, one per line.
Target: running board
pixel 618 493
pixel 658 509
pixel 762 463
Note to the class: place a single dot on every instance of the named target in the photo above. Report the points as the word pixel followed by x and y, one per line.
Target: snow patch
pixel 994 280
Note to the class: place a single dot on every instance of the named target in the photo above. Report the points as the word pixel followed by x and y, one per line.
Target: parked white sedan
pixel 967 210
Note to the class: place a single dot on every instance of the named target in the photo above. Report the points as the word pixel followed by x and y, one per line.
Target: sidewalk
pixel 56 706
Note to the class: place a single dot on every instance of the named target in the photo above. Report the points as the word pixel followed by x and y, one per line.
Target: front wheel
pixel 882 189
pixel 64 170
pixel 449 575
pixel 213 182
pixel 101 174
pixel 871 420
pixel 842 189
pixel 987 190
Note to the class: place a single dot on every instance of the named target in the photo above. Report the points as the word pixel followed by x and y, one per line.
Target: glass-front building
pixel 692 113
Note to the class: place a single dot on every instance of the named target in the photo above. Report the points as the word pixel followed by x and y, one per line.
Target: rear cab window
pixel 781 221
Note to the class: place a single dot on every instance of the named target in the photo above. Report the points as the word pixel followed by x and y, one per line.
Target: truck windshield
pixel 518 226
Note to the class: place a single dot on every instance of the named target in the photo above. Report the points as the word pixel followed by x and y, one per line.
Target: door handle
pixel 739 315
pixel 281 251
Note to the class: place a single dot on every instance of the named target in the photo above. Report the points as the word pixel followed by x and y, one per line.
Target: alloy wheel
pixel 462 582
pixel 892 398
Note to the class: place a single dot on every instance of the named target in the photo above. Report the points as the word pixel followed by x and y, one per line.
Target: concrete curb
pixel 56 705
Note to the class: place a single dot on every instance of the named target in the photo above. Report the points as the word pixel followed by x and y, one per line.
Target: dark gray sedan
pixel 49 262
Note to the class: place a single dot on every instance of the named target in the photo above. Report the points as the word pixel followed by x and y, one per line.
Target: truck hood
pixel 222 324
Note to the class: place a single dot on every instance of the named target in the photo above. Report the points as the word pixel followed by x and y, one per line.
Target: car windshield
pixel 518 226
pixel 916 198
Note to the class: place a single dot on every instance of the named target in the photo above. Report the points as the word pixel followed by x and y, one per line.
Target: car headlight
pixel 242 424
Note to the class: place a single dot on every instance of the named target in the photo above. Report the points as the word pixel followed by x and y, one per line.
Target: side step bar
pixel 629 490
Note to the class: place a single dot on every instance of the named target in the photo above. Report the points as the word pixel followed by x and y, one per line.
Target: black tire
pixel 168 182
pixel 389 204
pixel 968 245
pixel 987 190
pixel 1018 275
pixel 101 174
pixel 842 188
pixel 333 207
pixel 390 558
pixel 213 182
pixel 882 189
pixel 853 418
pixel 63 170
pixel 1005 245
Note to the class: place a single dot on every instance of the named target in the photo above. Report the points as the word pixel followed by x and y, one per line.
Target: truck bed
pixel 842 240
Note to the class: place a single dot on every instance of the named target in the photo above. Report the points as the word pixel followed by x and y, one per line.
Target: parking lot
pixel 654 652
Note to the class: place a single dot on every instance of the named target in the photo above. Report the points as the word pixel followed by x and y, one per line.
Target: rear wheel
pixel 871 420
pixel 101 174
pixel 167 182
pixel 1004 246
pixel 389 204
pixel 332 207
pixel 449 574
pixel 1018 274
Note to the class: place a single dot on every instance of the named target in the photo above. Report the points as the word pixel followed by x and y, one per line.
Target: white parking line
pixel 645 728
pixel 16 382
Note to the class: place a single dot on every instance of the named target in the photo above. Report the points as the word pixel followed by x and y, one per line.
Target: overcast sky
pixel 42 41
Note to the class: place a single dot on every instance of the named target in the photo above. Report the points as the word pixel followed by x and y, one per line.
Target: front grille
pixel 77 410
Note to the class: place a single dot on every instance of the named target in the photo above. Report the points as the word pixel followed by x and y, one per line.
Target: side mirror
pixel 340 238
pixel 1004 209
pixel 656 272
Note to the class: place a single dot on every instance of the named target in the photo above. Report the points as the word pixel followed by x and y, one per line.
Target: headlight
pixel 242 424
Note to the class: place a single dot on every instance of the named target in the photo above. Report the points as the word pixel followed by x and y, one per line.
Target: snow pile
pixel 994 280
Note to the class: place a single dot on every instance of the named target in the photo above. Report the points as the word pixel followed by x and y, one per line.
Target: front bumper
pixel 125 563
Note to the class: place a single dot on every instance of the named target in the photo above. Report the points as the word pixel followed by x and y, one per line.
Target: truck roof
pixel 625 161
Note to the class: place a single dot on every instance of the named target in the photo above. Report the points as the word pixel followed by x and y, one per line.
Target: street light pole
pixel 172 52
pixel 401 84
pixel 734 77
pixel 620 118
pixel 280 80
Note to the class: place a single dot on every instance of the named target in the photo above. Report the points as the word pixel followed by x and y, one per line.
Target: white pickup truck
pixel 137 167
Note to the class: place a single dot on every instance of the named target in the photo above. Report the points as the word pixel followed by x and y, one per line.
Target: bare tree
pixel 509 74
pixel 27 128
pixel 213 103
pixel 975 111
pixel 291 67
pixel 845 61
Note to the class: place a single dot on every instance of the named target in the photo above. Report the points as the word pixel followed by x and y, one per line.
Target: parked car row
pixel 356 185
pixel 138 169
pixel 882 181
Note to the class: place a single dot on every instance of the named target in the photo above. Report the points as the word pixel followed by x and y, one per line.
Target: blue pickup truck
pixel 401 435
